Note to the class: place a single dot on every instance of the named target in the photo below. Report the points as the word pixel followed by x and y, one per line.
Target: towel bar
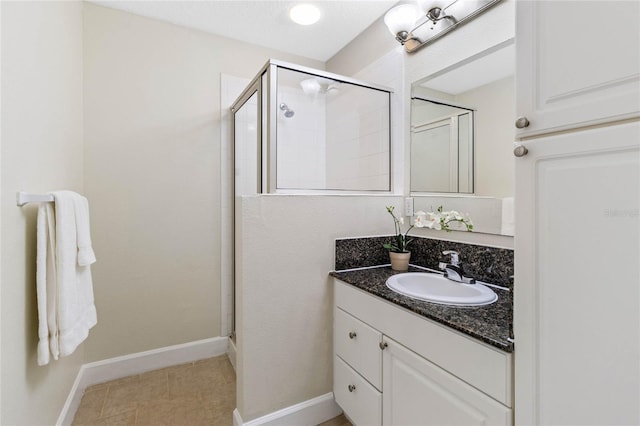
pixel 23 198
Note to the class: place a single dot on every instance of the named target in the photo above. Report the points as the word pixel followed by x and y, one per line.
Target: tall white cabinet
pixel 577 63
pixel 577 245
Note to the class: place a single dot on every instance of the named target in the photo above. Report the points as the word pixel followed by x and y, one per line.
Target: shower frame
pixel 266 84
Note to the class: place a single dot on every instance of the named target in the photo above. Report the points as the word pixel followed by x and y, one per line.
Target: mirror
pixel 462 139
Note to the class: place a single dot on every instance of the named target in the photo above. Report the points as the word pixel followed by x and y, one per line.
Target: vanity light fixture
pixel 304 14
pixel 423 21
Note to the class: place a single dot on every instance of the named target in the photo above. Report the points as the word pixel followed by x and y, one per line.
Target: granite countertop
pixel 491 324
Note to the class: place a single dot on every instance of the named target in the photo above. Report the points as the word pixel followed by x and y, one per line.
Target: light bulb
pixel 304 14
pixel 401 18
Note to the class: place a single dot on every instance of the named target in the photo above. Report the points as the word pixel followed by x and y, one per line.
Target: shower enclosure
pixel 298 129
pixel 301 130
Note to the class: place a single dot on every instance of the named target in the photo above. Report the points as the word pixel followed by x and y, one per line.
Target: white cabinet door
pixel 577 291
pixel 417 392
pixel 578 63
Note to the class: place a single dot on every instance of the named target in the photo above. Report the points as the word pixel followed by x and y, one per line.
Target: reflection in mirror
pixel 483 83
pixel 441 147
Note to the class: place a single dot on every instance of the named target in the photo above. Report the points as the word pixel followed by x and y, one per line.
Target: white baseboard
pixel 141 362
pixel 307 413
pixel 232 353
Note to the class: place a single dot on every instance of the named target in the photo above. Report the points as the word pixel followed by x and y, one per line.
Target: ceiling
pixel 267 22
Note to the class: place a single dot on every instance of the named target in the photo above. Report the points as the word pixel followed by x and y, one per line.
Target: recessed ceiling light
pixel 304 14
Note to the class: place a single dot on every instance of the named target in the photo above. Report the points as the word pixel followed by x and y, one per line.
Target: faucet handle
pixel 455 256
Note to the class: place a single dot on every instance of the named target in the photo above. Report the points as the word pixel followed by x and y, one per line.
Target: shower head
pixel 287 112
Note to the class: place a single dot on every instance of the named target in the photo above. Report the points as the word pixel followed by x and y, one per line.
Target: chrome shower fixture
pixel 287 112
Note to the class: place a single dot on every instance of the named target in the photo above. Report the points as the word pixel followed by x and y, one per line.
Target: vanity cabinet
pixel 393 367
pixel 577 63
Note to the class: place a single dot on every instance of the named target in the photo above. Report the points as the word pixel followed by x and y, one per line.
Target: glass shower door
pixel 247 152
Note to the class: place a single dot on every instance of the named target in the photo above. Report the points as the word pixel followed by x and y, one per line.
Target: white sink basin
pixel 437 289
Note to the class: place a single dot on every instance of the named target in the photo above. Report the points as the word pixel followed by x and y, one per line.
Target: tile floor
pixel 341 420
pixel 198 393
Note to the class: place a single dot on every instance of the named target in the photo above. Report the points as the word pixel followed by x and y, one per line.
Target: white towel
pixel 45 279
pixel 86 256
pixel 66 309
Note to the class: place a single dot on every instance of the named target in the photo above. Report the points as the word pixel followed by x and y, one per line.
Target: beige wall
pixel 152 160
pixel 368 47
pixel 284 293
pixel 495 105
pixel 41 151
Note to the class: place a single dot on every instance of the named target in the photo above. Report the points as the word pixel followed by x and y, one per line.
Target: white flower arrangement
pixel 441 220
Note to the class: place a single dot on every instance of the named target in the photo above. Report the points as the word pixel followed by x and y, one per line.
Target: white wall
pixel 152 158
pixel 284 293
pixel 41 151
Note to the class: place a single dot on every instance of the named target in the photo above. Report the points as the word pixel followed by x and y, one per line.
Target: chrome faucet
pixel 455 257
pixel 453 269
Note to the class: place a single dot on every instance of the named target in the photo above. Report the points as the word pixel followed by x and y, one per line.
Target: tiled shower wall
pixel 357 138
pixel 337 139
pixel 301 139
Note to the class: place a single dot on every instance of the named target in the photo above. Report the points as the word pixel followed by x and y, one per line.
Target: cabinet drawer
pixel 358 345
pixel 360 401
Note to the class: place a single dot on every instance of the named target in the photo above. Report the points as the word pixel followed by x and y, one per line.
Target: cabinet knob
pixel 352 335
pixel 351 388
pixel 383 345
pixel 520 151
pixel 522 122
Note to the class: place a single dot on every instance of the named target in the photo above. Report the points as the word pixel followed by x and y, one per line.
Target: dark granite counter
pixel 492 324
